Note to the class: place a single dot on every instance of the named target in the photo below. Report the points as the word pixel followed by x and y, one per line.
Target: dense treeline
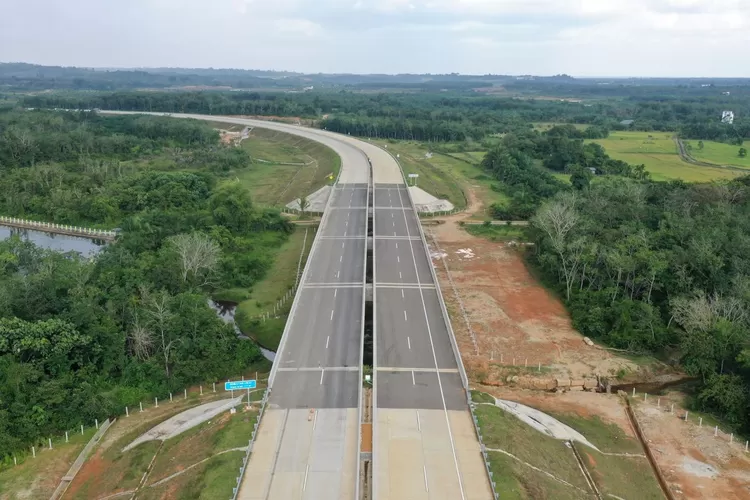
pixel 519 159
pixel 79 338
pixel 432 116
pixel 24 77
pixel 659 268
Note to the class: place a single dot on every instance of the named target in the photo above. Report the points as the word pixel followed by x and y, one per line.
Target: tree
pixel 304 204
pixel 580 177
pixel 199 257
pixel 700 145
pixel 557 219
pixel 141 340
pixel 158 308
pixel 743 152
pixel 232 207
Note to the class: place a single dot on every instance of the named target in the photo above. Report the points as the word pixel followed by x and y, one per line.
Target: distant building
pixel 727 117
pixel 725 93
pixel 627 123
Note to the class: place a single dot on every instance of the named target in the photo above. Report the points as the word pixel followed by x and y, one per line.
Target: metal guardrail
pixel 246 458
pixel 454 345
pixel 282 343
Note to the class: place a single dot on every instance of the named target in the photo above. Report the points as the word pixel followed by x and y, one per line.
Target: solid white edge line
pixel 328 339
pixel 434 357
pixel 321 375
pixel 304 484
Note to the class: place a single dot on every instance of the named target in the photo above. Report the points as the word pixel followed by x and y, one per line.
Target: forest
pixel 524 163
pixel 82 338
pixel 646 267
pixel 654 267
pixel 435 116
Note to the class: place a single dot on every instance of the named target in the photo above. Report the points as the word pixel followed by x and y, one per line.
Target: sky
pixel 669 38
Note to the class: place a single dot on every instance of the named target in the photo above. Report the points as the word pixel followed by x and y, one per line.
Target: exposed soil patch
pixel 511 315
pixel 695 463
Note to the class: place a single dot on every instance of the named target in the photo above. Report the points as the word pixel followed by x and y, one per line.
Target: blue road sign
pixel 240 384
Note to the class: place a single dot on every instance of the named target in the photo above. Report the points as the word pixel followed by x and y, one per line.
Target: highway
pixel 424 444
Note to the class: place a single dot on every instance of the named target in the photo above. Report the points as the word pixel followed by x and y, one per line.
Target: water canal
pixel 89 248
pixel 51 241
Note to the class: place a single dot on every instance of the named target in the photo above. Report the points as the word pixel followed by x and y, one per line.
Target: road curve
pixel 424 446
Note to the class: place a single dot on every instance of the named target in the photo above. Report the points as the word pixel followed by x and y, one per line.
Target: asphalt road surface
pixel 424 445
pixel 307 446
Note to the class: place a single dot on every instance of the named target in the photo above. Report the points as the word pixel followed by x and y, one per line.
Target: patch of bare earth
pixel 515 321
pixel 107 471
pixel 695 463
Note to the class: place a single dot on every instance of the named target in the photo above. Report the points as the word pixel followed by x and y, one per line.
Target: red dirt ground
pixel 512 316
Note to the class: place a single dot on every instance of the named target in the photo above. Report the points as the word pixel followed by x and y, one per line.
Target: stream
pixel 89 248
pixel 225 311
pixel 52 241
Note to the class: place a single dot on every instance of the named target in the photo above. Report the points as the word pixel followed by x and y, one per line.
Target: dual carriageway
pixel 309 442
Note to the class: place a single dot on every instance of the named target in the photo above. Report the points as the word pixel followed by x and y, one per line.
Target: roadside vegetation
pixel 38 477
pixel 495 232
pixel 263 295
pixel 81 339
pixel 616 476
pixel 286 167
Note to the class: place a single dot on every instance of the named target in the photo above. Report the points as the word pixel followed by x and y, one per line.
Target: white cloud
pixel 301 27
pixel 585 37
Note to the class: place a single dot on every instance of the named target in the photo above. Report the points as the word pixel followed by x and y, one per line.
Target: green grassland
pixel 658 152
pixel 719 153
pixel 448 176
pixel 284 166
pixel 544 126
pixel 615 476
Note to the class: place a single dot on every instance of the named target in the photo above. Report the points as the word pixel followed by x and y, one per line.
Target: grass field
pixel 38 477
pixel 615 476
pixel 447 176
pixel 543 126
pixel 285 166
pixel 659 153
pixel 266 292
pixel 719 154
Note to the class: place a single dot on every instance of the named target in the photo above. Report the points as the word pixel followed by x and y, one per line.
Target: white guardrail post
pixel 41 226
pixel 452 336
